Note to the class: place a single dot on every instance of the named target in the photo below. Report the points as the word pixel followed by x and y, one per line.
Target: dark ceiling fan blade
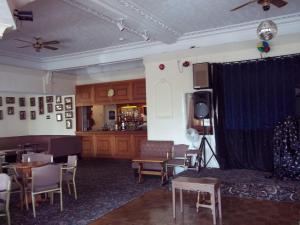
pixel 25 46
pixel 50 42
pixel 279 3
pixel 24 41
pixel 248 3
pixel 50 47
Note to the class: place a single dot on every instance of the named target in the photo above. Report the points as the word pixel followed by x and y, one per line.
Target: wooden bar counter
pixel 111 144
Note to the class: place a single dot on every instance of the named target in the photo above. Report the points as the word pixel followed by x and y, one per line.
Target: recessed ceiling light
pixel 121 39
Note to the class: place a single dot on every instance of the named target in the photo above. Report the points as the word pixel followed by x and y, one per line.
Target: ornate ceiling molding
pixel 288 25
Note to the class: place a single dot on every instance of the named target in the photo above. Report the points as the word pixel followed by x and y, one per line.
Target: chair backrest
pixel 72 160
pixel 40 157
pixel 46 176
pixel 26 156
pixel 156 148
pixel 179 151
pixel 5 186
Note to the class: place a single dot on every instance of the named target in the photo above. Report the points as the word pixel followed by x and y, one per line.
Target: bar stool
pixel 211 186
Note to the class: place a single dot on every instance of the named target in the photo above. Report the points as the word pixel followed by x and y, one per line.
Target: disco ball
pixel 266 30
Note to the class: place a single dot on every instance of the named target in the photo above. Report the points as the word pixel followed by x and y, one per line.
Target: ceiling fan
pixel 39 44
pixel 265 4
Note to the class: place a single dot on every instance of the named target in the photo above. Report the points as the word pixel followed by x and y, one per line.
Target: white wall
pixel 21 82
pixel 11 125
pixel 166 88
pixel 111 76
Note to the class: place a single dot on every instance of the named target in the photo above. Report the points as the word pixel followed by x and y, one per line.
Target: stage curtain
pixel 250 97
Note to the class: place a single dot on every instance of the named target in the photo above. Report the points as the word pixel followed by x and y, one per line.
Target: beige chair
pixel 37 157
pixel 178 158
pixel 69 173
pixel 45 179
pixel 5 187
pixel 16 186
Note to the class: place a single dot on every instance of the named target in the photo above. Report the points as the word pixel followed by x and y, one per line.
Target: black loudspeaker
pixel 202 104
pixel 202 75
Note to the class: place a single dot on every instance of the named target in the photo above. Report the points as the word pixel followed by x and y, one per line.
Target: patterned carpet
pixel 251 184
pixel 102 185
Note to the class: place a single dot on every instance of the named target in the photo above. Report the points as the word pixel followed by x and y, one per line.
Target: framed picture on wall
pixel 111 115
pixel 22 115
pixel 49 99
pixel 22 102
pixel 58 99
pixel 69 114
pixel 59 117
pixel 0 101
pixel 68 106
pixel 32 115
pixel 10 110
pixel 32 101
pixel 50 108
pixel 1 114
pixel 68 124
pixel 10 100
pixel 68 100
pixel 41 105
pixel 59 107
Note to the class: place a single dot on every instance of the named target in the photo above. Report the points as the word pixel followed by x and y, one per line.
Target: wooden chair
pixel 5 187
pixel 178 158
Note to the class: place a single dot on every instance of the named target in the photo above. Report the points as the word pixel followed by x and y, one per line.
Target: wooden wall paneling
pixel 88 146
pixel 139 90
pixel 123 92
pixel 137 139
pixel 104 145
pixel 123 146
pixel 100 93
pixel 84 95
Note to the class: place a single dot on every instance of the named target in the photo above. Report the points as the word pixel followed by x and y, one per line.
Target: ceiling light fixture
pixel 145 35
pixel 267 30
pixel 120 25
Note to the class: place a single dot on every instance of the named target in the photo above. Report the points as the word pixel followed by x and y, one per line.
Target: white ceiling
pixel 88 28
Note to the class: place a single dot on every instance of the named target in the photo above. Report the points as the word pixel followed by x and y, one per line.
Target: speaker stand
pixel 202 148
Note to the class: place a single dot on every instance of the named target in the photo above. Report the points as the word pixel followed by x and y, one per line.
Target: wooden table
pixel 203 184
pixel 142 171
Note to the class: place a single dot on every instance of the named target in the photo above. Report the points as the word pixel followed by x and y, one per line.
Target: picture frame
pixel 32 101
pixel 22 115
pixel 41 105
pixel 68 100
pixel 1 103
pixel 68 106
pixel 50 108
pixel 10 110
pixel 59 107
pixel 59 117
pixel 32 115
pixel 49 99
pixel 58 99
pixel 69 114
pixel 1 114
pixel 111 115
pixel 68 124
pixel 22 102
pixel 10 100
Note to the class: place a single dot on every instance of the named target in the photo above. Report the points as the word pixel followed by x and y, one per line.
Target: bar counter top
pixel 118 132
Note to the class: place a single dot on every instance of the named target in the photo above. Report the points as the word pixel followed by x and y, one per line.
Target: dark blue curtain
pixel 251 97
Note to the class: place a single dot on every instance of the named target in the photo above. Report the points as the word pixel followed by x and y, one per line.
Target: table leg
pixel 140 172
pixel 219 205
pixel 213 206
pixel 181 201
pixel 163 174
pixel 173 201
